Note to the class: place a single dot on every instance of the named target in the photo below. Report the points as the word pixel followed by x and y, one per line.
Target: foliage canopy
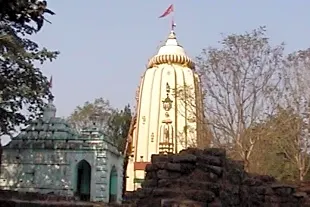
pixel 23 87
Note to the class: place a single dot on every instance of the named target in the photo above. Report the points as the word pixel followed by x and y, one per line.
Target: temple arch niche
pixel 113 185
pixel 83 180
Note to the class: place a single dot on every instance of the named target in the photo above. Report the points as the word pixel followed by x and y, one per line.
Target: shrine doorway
pixel 83 180
pixel 113 185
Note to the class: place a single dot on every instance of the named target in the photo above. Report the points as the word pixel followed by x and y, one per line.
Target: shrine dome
pixel 171 52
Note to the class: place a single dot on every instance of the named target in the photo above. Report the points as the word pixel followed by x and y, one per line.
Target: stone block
pixel 164 174
pixel 301 195
pixel 101 188
pixel 210 160
pixel 161 165
pixel 168 183
pixel 201 175
pixel 184 168
pixel 265 178
pixel 144 192
pixel 160 158
pixel 191 150
pixel 284 191
pixel 184 158
pixel 215 203
pixel 101 161
pixel 101 168
pixel 261 190
pixel 175 167
pixel 181 203
pixel 200 195
pixel 166 192
pixel 209 168
pixel 151 175
pixel 101 175
pixel 228 199
pixel 149 183
pixel 252 182
pixel 215 152
pixel 102 154
pixel 151 167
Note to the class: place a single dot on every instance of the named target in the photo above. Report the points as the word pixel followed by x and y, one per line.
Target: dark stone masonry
pixel 207 178
pixel 192 178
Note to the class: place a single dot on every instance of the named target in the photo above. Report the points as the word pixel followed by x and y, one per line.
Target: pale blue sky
pixel 105 44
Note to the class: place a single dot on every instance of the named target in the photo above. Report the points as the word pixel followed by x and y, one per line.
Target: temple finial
pixel 173 25
pixel 50 109
pixel 172 35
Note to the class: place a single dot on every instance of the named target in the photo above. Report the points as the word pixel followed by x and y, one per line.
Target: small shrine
pixel 49 157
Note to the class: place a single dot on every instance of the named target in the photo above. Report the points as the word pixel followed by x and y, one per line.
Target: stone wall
pixel 207 178
pixel 45 171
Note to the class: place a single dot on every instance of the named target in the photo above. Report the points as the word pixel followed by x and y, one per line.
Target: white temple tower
pixel 165 122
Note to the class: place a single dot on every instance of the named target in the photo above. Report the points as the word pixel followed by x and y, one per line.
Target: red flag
pixel 51 82
pixel 167 12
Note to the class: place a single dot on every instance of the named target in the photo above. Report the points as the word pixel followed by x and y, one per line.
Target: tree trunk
pixel 246 165
pixel 301 175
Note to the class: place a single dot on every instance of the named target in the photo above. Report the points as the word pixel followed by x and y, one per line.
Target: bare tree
pixel 241 81
pixel 296 97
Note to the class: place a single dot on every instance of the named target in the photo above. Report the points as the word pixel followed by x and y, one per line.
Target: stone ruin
pixel 206 177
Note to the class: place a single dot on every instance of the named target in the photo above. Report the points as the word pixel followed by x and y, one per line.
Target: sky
pixel 105 45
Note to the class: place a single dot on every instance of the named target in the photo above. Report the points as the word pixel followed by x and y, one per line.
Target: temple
pixel 49 157
pixel 169 110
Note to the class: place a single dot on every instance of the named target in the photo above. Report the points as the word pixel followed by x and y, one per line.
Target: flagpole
pixel 169 10
pixel 172 19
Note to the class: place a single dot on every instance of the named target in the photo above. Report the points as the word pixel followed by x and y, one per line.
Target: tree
pixel 112 122
pixel 118 127
pixel 287 130
pixel 22 84
pixel 24 11
pixel 271 153
pixel 296 99
pixel 98 112
pixel 241 81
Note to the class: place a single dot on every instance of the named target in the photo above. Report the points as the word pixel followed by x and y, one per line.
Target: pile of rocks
pixel 206 177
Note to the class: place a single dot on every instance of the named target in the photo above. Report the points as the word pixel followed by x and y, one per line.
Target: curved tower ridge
pixel 171 52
